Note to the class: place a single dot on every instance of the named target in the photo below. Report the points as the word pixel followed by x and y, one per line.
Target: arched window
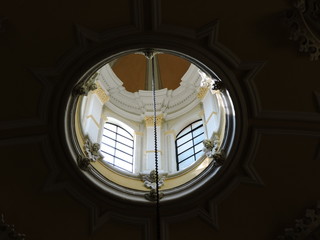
pixel 117 147
pixel 189 144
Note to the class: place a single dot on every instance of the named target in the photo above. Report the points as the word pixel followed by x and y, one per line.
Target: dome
pixel 114 132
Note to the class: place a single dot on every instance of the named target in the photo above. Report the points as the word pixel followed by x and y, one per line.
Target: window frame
pixel 114 155
pixel 191 139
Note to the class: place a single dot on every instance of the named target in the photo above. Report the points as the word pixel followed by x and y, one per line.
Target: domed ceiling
pixel 132 71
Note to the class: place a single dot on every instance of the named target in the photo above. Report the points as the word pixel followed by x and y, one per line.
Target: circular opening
pixel 110 122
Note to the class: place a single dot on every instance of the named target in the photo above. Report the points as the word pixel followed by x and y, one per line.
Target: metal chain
pixel 155 148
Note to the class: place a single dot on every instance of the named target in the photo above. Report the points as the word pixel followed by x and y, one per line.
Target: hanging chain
pixel 155 146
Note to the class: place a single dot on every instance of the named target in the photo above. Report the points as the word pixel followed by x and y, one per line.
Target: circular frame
pixel 99 55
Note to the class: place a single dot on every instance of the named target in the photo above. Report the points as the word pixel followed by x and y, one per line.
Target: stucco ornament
pixel 211 150
pixel 150 182
pixel 210 147
pixel 92 154
pixel 92 150
pixel 83 163
pixel 304 23
pixel 87 86
pixel 208 82
pixel 305 228
pixel 8 231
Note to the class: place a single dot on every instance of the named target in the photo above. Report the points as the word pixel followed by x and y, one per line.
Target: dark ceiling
pixel 278 178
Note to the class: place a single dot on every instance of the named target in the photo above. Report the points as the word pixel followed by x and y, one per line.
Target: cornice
pixel 171 103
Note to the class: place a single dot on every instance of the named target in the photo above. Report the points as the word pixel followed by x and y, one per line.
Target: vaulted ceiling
pixel 275 177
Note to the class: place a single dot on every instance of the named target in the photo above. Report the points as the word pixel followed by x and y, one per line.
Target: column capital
pixel 149 120
pixel 101 94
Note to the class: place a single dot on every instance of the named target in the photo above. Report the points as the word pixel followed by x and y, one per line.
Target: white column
pixel 138 166
pixel 170 154
pixel 211 113
pixel 93 114
pixel 150 144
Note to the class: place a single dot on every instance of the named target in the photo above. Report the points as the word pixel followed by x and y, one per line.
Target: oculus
pixel 110 123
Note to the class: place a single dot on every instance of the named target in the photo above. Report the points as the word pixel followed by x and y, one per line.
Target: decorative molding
pixel 210 147
pixel 208 82
pixel 92 150
pixel 138 133
pixel 150 182
pixel 87 86
pixel 303 21
pixel 149 120
pixel 101 94
pixel 173 132
pixel 83 163
pixel 304 227
pixel 92 154
pixel 211 150
pixel 217 85
pixel 94 120
pixel 171 103
pixel 210 116
pixel 202 92
pixel 8 232
pixel 152 151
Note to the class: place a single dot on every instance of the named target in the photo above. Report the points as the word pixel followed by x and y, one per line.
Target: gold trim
pixel 213 113
pixel 170 132
pixel 101 94
pixel 152 151
pixel 202 92
pixel 94 120
pixel 149 120
pixel 138 133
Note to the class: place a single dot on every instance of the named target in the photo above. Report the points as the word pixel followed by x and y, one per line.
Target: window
pixel 117 147
pixel 189 144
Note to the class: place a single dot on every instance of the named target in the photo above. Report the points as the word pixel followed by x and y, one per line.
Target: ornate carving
pixel 92 154
pixel 88 86
pixel 208 82
pixel 149 53
pixel 211 149
pixel 202 92
pixel 217 85
pixel 8 232
pixel 303 227
pixel 152 195
pixel 83 163
pixel 101 94
pixel 149 120
pixel 219 158
pixel 92 150
pixel 304 23
pixel 150 182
